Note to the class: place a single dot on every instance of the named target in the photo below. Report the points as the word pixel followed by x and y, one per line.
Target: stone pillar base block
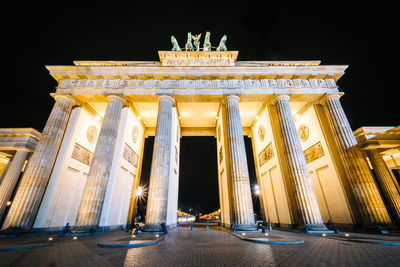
pixel 246 227
pixel 317 228
pixel 152 228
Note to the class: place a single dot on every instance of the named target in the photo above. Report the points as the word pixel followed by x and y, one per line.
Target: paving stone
pixel 181 247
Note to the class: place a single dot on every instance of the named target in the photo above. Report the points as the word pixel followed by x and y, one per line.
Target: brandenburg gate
pixel 87 163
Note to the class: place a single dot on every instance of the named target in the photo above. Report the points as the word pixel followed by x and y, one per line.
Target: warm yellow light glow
pixel 257 192
pixel 323 234
pixel 216 117
pixel 98 118
pixel 75 238
pixel 157 235
pixel 133 236
pixel 8 203
pixel 297 116
pixel 347 235
pixel 257 117
pixel 50 238
pixel 266 234
pixel 243 233
pixel 138 117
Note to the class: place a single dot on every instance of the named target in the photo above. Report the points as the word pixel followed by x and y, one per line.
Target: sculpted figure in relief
pixel 189 45
pixel 207 43
pixel 222 46
pixel 175 45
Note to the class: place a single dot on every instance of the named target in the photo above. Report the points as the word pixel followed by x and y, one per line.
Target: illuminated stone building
pixel 310 169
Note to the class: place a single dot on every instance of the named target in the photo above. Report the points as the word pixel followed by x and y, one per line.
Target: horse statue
pixel 222 46
pixel 196 41
pixel 188 45
pixel 175 45
pixel 207 43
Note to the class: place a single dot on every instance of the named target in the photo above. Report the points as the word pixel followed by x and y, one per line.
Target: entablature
pixel 60 73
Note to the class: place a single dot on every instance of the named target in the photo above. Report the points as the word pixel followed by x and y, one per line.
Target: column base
pixel 15 231
pixel 318 229
pixel 155 227
pixel 246 227
pixel 87 229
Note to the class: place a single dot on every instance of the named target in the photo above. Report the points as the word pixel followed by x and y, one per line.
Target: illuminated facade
pixel 86 166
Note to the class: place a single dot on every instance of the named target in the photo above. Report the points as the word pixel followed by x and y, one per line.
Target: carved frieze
pixel 182 84
pixel 265 155
pixel 82 154
pixel 130 155
pixel 314 152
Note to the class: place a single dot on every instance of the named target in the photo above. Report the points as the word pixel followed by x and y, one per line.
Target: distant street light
pixel 139 191
pixel 256 190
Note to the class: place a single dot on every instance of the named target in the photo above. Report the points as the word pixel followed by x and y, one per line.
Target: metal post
pixel 191 226
pixel 207 226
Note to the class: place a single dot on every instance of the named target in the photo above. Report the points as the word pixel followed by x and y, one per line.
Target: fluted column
pixel 386 182
pixel 156 212
pixel 11 178
pixel 362 182
pixel 96 184
pixel 243 205
pixel 37 173
pixel 297 167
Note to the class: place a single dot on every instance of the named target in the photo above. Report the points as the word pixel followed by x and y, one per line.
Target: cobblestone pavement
pixel 181 247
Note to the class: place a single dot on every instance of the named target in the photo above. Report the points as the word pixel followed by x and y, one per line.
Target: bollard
pixel 207 226
pixel 269 225
pixel 191 226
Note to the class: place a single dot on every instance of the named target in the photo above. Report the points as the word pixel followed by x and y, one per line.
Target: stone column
pixel 157 201
pixel 386 182
pixel 241 191
pixel 11 178
pixel 37 173
pixel 96 184
pixel 297 167
pixel 361 179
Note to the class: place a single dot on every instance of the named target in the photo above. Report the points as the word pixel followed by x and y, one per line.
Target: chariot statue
pixel 188 45
pixel 175 45
pixel 196 43
pixel 207 43
pixel 222 46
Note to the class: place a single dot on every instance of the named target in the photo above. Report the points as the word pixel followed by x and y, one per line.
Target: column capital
pixel 279 97
pixel 230 97
pixel 328 97
pixel 167 97
pixel 117 97
pixel 64 97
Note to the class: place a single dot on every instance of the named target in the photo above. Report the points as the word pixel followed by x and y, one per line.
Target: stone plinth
pixel 197 58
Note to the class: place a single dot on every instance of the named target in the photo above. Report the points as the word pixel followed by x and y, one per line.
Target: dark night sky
pixel 36 35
